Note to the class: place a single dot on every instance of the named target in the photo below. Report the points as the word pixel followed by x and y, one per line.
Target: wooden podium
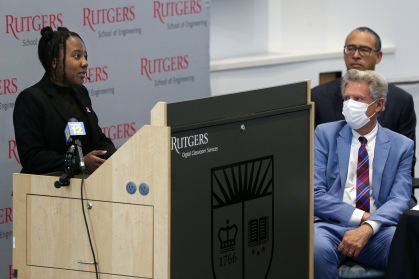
pixel 230 195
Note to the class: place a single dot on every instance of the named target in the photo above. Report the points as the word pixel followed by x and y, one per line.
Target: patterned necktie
pixel 363 178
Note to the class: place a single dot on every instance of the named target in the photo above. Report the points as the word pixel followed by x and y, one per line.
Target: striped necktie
pixel 363 178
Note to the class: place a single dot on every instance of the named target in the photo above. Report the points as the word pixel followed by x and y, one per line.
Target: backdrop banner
pixel 139 53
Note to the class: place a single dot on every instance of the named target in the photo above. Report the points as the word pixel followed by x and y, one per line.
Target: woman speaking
pixel 43 110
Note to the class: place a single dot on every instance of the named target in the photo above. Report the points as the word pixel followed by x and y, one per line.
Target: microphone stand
pixel 80 153
pixel 70 163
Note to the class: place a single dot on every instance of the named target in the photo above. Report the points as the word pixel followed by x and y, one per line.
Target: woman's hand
pixel 92 162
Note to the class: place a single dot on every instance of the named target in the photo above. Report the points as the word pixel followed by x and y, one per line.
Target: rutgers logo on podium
pixel 242 214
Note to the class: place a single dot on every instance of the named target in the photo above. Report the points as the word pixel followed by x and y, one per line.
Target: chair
pixel 351 269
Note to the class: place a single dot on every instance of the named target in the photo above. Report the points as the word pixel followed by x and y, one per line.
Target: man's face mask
pixel 355 113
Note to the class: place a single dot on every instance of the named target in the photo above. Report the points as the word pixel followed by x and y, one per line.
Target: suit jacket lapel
pixel 344 150
pixel 55 98
pixel 382 148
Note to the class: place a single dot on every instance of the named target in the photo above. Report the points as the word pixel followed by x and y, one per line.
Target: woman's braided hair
pixel 50 45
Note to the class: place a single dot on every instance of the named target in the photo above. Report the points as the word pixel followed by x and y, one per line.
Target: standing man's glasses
pixel 363 50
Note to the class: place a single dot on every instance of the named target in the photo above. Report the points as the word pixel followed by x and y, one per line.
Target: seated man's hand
pixel 354 241
pixel 92 162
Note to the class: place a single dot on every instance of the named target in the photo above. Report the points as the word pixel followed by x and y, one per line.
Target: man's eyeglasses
pixel 363 50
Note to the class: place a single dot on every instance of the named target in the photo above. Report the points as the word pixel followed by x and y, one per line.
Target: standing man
pixel 362 180
pixel 362 51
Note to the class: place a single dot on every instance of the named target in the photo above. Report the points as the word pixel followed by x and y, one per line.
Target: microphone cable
pixel 87 227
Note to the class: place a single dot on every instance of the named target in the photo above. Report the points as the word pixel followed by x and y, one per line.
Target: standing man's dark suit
pixel 40 117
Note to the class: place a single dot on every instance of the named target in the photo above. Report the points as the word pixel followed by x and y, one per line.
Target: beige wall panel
pixel 122 234
pixel 47 273
pixel 311 193
pixel 21 185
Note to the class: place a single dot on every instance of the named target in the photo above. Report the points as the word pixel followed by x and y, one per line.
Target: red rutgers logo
pixel 16 25
pixel 168 64
pixel 5 215
pixel 12 151
pixel 178 8
pixel 102 16
pixel 11 272
pixel 119 131
pixel 97 74
pixel 8 86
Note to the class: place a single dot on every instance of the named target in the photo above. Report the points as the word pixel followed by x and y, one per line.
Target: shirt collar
pixel 370 136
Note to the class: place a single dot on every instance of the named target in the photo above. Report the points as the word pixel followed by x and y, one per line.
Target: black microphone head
pixel 72 119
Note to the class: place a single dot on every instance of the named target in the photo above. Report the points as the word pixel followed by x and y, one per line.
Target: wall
pixel 306 24
pixel 238 27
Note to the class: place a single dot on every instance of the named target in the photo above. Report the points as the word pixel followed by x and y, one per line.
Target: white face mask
pixel 354 113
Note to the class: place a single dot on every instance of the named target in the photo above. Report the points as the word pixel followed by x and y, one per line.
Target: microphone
pixel 72 119
pixel 73 131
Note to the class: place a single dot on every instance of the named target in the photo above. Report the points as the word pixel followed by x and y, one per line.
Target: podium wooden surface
pixel 172 231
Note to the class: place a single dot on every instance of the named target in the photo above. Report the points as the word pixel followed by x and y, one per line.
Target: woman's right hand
pixel 92 162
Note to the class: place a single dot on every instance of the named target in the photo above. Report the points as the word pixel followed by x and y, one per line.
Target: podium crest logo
pixel 242 213
pixel 227 237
